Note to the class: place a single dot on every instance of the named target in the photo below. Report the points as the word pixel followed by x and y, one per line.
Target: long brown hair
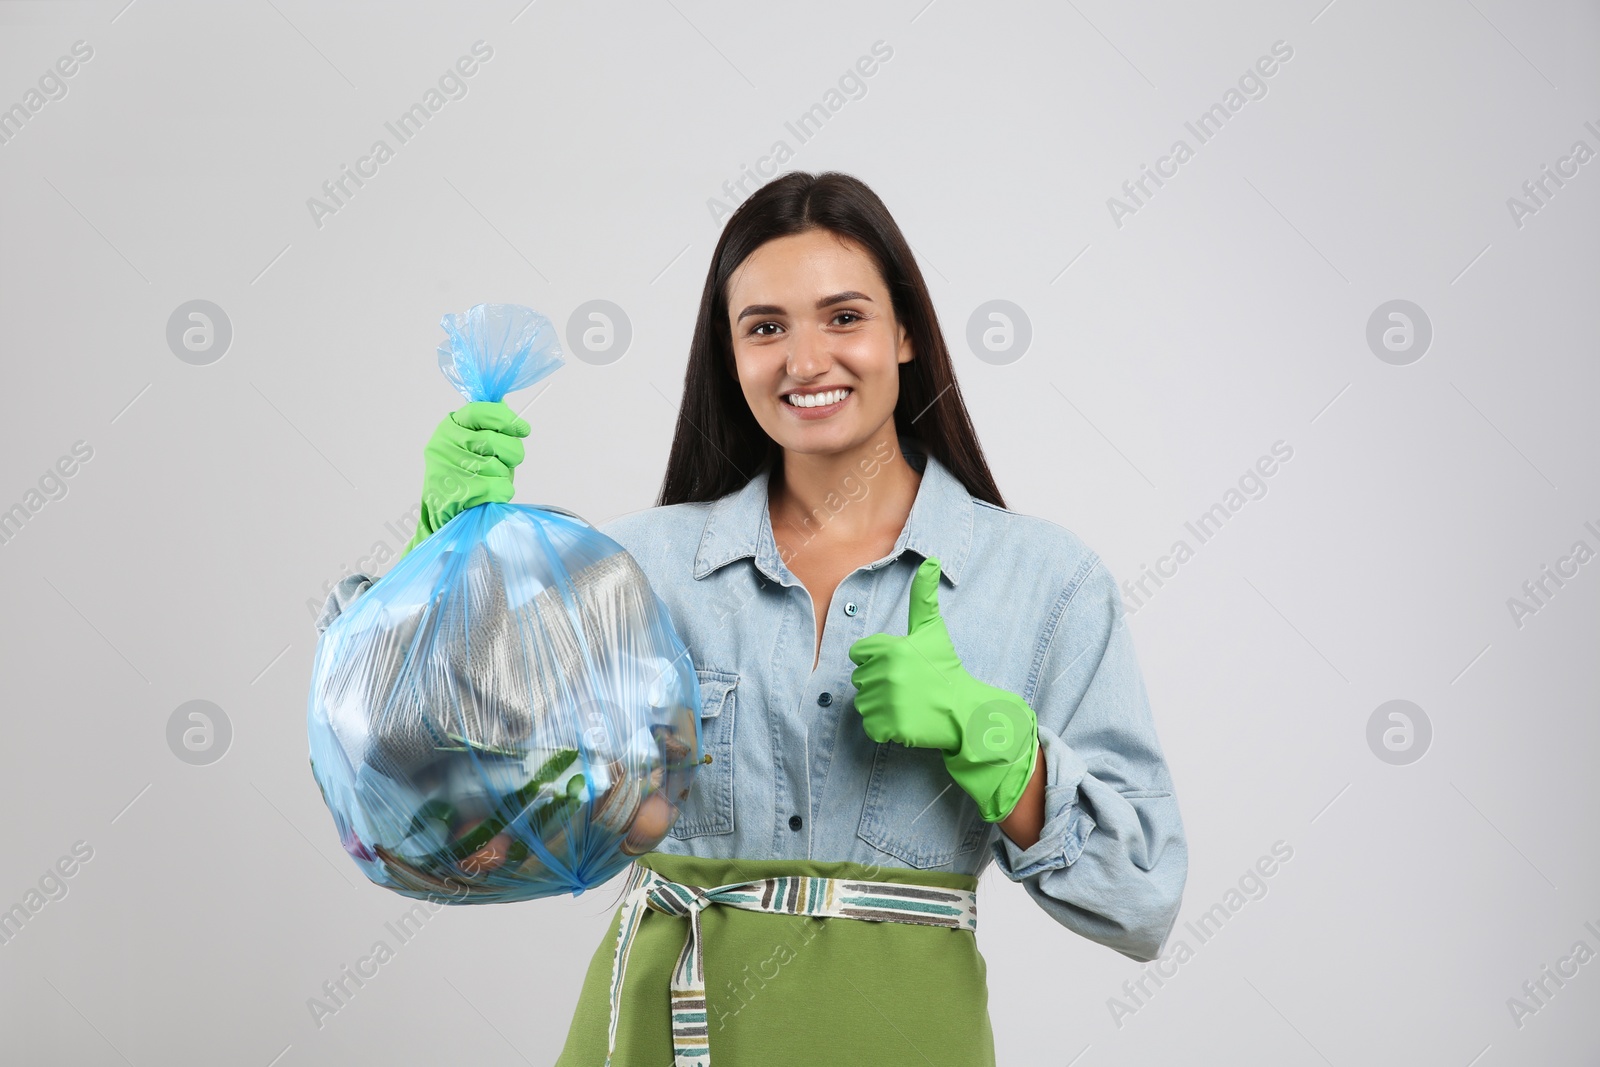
pixel 718 445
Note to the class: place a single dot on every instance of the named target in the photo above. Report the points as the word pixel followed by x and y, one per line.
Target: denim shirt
pixel 793 775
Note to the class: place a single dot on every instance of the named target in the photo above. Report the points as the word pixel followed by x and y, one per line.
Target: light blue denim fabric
pixel 1030 609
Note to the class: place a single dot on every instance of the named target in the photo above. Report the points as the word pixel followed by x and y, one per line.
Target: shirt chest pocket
pixel 915 812
pixel 709 808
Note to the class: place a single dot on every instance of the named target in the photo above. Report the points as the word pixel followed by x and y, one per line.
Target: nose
pixel 808 355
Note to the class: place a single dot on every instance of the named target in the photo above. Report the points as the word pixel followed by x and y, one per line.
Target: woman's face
pixel 811 320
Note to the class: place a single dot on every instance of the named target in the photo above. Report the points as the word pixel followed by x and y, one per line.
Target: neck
pixel 851 495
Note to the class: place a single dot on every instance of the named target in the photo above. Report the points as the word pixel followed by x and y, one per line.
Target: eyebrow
pixel 827 301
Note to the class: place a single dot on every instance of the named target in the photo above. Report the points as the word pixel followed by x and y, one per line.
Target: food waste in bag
pixel 508 713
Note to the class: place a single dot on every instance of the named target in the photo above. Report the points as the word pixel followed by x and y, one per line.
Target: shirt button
pixel 824 699
pixel 794 822
pixel 850 608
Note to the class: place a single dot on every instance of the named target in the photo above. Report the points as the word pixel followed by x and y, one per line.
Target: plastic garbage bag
pixel 508 713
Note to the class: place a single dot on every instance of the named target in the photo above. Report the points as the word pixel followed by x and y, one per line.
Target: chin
pixel 820 440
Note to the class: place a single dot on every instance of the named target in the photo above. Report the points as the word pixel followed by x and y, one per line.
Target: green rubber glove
pixel 467 462
pixel 914 690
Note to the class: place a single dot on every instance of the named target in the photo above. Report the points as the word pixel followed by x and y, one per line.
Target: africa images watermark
pixel 337 993
pixel 1542 189
pixel 1542 588
pixel 1538 991
pixel 52 86
pixel 852 85
pixel 1252 885
pixel 1252 485
pixel 52 887
pixel 1252 85
pixel 379 554
pixel 452 85
pixel 52 485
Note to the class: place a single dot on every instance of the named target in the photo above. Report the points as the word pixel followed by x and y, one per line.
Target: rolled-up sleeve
pixel 1112 860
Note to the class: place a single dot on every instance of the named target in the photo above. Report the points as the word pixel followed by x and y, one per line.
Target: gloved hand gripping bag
pixel 508 713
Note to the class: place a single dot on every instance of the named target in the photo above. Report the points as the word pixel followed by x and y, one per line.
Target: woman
pixel 973 692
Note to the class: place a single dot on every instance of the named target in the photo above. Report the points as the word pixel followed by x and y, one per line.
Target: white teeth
pixel 816 400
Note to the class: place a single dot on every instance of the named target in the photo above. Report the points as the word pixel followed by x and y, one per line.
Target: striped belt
pixel 837 898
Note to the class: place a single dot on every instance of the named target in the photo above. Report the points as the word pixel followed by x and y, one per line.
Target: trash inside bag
pixel 508 713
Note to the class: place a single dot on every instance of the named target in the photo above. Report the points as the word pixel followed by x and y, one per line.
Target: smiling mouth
pixel 816 400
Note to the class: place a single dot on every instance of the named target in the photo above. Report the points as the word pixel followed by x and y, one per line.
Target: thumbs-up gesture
pixel 914 690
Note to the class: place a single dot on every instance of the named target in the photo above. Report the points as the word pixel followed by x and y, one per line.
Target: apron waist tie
pixel 837 898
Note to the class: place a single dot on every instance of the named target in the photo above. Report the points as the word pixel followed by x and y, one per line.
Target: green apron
pixel 870 983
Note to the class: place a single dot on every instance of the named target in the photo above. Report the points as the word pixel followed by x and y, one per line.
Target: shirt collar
pixel 939 525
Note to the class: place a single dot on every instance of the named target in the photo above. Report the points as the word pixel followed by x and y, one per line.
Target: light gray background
pixel 1167 355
